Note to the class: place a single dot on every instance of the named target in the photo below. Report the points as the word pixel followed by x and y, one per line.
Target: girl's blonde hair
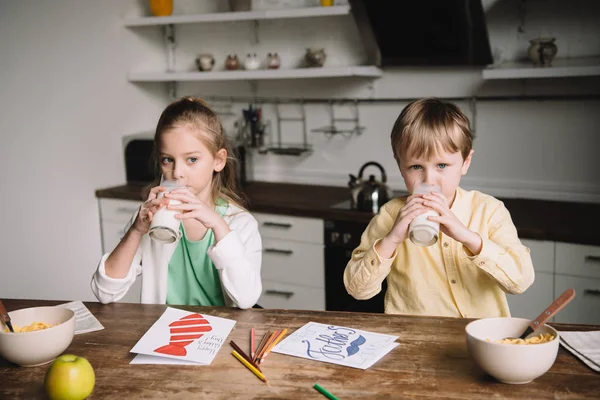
pixel 428 125
pixel 195 112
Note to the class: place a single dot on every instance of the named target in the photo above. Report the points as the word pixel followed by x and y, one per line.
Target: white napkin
pixel 584 345
pixel 84 320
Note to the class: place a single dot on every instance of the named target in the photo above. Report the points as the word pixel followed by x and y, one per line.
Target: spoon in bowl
pixel 5 317
pixel 548 313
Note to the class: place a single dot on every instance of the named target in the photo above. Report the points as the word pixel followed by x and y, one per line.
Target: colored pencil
pixel 252 342
pixel 272 337
pixel 256 372
pixel 273 344
pixel 260 345
pixel 237 348
pixel 324 392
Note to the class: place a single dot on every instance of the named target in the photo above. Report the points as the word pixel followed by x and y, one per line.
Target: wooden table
pixel 431 361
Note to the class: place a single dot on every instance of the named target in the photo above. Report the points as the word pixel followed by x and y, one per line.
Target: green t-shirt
pixel 193 279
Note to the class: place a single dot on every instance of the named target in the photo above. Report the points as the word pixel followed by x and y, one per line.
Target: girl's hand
pixel 192 207
pixel 149 209
pixel 450 225
pixel 414 206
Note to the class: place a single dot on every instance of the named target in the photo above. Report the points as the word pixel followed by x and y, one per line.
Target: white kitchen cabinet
pixel 293 264
pixel 585 307
pixel 578 267
pixel 541 293
pixel 114 216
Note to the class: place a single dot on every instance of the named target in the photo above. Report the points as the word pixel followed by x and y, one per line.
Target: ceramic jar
pixel 251 62
pixel 205 62
pixel 232 62
pixel 542 51
pixel 240 5
pixel 161 8
pixel 315 57
pixel 273 61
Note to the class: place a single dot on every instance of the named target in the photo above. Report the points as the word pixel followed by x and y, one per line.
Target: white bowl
pixel 510 363
pixel 30 349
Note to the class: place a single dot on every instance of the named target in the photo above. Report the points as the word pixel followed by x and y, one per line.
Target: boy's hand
pixel 450 225
pixel 150 207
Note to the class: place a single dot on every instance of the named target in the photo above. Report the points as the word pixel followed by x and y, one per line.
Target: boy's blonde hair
pixel 428 125
pixel 195 113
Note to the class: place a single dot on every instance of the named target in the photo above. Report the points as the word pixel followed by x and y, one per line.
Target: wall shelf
pixel 239 16
pixel 264 74
pixel 561 68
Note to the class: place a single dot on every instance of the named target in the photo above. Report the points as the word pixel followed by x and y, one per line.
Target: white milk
pixel 422 231
pixel 164 227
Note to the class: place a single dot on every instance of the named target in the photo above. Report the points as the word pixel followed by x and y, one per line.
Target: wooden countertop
pixel 431 361
pixel 534 219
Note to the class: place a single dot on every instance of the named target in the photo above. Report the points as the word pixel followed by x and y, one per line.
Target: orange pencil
pixel 266 346
pixel 277 340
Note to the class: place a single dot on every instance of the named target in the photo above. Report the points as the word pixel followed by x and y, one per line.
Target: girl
pixel 216 261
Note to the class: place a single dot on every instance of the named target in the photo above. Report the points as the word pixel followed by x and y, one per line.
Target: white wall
pixel 65 104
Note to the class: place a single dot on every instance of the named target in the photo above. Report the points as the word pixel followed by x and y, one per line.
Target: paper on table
pixel 183 335
pixel 583 345
pixel 145 359
pixel 337 345
pixel 84 320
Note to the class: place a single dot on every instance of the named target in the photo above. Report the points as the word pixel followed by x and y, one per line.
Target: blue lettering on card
pixel 334 346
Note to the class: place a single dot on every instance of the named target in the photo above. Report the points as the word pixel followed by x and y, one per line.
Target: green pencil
pixel 324 392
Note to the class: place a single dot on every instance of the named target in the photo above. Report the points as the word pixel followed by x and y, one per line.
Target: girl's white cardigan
pixel 237 257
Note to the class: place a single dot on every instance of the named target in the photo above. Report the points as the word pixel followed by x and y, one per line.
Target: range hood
pixel 423 32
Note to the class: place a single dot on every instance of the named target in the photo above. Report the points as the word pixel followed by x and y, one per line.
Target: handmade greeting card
pixel 182 337
pixel 337 345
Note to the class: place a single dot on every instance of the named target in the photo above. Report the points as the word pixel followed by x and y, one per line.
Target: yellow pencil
pixel 249 366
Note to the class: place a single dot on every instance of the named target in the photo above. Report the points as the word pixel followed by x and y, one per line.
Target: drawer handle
pixel 287 295
pixel 126 210
pixel 277 225
pixel 593 292
pixel 279 251
pixel 594 259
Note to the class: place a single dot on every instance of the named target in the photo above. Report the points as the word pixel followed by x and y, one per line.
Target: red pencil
pixel 252 342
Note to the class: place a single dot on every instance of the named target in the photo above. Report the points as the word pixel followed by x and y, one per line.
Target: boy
pixel 478 256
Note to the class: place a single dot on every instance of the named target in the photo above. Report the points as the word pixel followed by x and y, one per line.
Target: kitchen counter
pixel 534 219
pixel 431 361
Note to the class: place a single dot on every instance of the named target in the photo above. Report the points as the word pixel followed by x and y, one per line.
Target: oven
pixel 341 237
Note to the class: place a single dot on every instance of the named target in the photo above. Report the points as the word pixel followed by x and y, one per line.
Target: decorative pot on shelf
pixel 251 62
pixel 240 5
pixel 273 61
pixel 161 8
pixel 205 62
pixel 315 57
pixel 542 51
pixel 232 62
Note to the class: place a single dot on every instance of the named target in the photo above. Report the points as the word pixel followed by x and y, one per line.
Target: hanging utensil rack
pixel 332 129
pixel 290 149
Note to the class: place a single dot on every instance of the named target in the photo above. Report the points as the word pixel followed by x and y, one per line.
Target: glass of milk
pixel 164 227
pixel 422 231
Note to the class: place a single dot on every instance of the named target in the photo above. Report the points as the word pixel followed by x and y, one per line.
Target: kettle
pixel 369 195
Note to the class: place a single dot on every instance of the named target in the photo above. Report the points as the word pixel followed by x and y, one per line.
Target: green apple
pixel 69 377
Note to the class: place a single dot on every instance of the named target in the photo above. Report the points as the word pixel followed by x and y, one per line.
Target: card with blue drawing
pixel 337 345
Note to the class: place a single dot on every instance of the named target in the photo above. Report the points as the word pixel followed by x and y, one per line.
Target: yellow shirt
pixel 445 279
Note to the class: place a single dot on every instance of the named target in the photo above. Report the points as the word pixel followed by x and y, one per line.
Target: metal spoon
pixel 5 317
pixel 549 312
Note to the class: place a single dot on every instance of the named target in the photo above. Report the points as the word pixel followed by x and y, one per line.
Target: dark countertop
pixel 535 219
